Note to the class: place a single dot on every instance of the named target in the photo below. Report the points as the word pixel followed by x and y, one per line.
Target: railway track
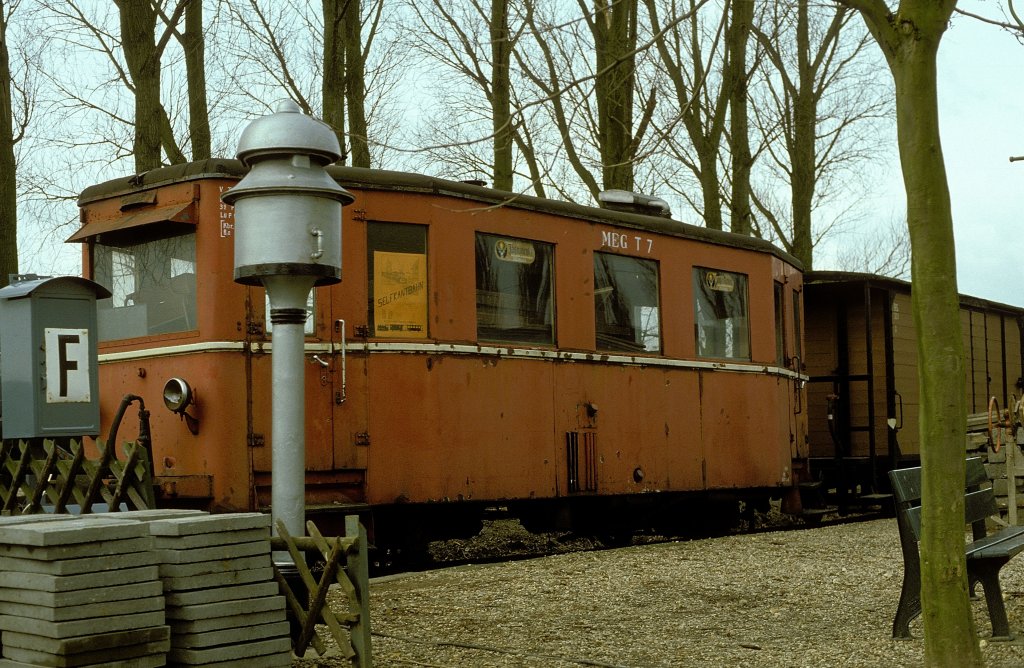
pixel 503 539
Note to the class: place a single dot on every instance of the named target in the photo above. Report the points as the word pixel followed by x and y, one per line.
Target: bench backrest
pixel 978 503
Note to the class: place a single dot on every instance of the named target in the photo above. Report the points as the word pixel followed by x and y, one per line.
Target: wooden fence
pixel 34 474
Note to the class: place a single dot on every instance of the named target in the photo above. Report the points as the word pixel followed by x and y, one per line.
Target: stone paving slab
pixel 201 540
pixel 187 526
pixel 95 549
pixel 61 630
pixel 235 635
pixel 204 656
pixel 156 514
pixel 245 576
pixel 73 530
pixel 182 627
pixel 214 553
pixel 213 567
pixel 61 583
pixel 227 608
pixel 92 642
pixel 64 613
pixel 219 594
pixel 152 661
pixel 122 653
pixel 14 520
pixel 81 596
pixel 278 660
pixel 80 565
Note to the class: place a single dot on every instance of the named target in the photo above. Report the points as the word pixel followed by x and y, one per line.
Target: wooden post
pixel 358 568
pixel 1011 480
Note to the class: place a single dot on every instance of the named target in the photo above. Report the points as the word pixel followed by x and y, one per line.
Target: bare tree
pixel 344 87
pixel 319 59
pixel 11 132
pixel 475 78
pixel 193 44
pixel 884 251
pixel 817 111
pixel 142 53
pixel 501 94
pixel 738 76
pixel 614 28
pixel 698 99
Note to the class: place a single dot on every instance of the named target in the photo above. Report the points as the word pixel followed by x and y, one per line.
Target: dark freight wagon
pixel 861 357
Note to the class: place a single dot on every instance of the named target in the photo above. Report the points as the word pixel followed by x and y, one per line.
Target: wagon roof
pixel 379 179
pixel 900 285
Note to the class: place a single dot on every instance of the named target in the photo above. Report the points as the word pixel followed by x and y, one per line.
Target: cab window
pixel 397 262
pixel 780 324
pixel 152 282
pixel 514 290
pixel 721 315
pixel 626 310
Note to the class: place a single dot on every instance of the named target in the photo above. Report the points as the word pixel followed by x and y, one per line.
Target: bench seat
pixel 986 554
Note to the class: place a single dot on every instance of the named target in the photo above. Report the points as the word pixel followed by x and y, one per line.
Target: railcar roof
pixel 899 285
pixel 379 179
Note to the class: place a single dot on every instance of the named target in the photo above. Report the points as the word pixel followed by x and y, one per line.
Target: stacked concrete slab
pixel 222 602
pixel 77 592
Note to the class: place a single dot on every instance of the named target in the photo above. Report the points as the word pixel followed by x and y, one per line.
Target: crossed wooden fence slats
pixel 28 481
pixel 66 476
pixel 346 565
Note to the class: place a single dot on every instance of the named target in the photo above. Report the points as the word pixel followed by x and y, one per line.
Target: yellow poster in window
pixel 399 295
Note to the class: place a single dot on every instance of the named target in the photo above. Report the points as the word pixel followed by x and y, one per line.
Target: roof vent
pixel 624 200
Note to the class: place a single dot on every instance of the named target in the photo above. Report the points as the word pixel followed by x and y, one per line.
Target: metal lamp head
pixel 288 208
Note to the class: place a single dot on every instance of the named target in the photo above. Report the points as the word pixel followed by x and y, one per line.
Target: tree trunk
pixel 355 86
pixel 138 27
pixel 194 46
pixel 948 623
pixel 615 37
pixel 739 126
pixel 804 130
pixel 333 88
pixel 710 184
pixel 910 40
pixel 501 95
pixel 8 182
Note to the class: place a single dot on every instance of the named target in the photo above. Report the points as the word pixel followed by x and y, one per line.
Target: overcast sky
pixel 982 116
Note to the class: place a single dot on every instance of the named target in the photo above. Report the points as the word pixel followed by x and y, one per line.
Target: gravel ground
pixel 812 597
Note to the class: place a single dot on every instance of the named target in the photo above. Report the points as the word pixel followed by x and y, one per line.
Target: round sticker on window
pixel 720 282
pixel 514 250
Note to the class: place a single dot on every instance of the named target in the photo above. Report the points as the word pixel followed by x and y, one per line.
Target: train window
pixel 797 325
pixel 153 285
pixel 626 303
pixel 722 320
pixel 780 324
pixel 397 262
pixel 514 290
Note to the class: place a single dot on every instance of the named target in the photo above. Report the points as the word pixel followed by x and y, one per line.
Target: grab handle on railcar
pixel 340 396
pixel 897 421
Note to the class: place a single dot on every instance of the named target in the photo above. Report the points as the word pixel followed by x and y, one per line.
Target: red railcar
pixel 574 364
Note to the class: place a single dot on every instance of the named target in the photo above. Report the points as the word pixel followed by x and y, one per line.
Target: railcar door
pixel 335 471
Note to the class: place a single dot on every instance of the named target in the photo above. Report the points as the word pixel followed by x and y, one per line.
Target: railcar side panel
pixel 438 408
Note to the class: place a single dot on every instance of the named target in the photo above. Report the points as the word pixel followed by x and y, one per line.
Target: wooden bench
pixel 986 554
